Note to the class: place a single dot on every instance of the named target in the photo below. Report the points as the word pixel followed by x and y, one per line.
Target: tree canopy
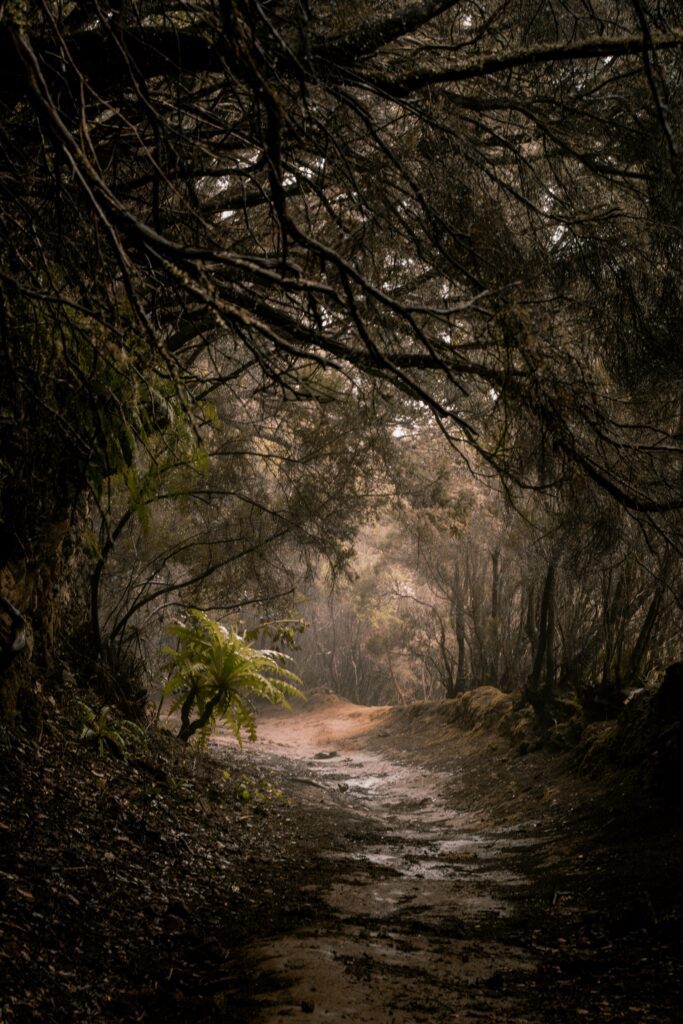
pixel 476 202
pixel 475 206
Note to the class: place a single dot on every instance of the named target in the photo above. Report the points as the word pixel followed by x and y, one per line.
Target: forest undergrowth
pixel 126 883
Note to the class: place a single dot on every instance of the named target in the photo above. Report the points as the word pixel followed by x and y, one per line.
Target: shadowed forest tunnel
pixel 340 358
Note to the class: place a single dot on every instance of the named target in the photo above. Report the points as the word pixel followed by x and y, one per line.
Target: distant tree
pixel 568 603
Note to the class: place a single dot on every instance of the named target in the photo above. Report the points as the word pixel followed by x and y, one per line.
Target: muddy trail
pixel 456 889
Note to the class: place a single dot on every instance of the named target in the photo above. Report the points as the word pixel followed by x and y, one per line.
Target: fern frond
pixel 217 670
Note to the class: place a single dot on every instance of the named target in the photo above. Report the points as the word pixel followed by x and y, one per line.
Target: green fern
pixel 101 730
pixel 215 673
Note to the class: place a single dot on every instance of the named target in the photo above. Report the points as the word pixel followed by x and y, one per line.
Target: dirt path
pixel 423 919
pixel 426 871
pixel 452 881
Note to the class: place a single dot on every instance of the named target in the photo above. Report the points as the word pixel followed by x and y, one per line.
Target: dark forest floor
pixel 184 887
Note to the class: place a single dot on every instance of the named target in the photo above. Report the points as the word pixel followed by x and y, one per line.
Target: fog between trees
pixel 452 588
pixel 274 274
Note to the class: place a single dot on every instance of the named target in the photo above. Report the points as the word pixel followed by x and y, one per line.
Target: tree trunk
pixel 540 686
pixel 637 656
pixel 494 643
pixel 461 673
pixel 608 697
pixel 448 676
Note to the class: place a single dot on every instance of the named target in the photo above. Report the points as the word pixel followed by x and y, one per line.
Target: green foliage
pixel 250 789
pixel 103 731
pixel 282 631
pixel 139 495
pixel 94 415
pixel 215 673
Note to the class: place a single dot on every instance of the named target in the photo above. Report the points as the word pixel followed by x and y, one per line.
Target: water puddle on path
pixel 419 924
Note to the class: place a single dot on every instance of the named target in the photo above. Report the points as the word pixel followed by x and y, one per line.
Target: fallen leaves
pixel 113 879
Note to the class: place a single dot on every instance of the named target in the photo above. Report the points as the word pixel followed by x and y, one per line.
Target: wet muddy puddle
pixel 424 914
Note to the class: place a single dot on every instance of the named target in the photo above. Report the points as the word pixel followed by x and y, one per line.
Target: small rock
pixel 325 755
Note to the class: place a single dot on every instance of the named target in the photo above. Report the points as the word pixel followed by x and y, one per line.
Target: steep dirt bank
pixel 127 886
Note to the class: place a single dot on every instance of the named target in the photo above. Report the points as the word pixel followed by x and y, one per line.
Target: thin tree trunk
pixel 641 645
pixel 494 652
pixel 540 685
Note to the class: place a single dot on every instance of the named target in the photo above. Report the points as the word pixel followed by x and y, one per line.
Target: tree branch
pixel 491 64
pixel 362 40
